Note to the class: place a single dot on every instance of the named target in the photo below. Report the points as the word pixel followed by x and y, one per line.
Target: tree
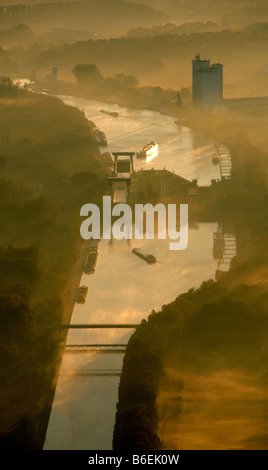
pixel 7 87
pixel 87 73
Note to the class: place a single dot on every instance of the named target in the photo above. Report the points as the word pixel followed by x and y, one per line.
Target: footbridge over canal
pixel 107 348
pixel 97 348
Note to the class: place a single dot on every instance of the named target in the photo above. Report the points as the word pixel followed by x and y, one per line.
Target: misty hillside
pixel 227 12
pixel 160 59
pixel 81 19
pixel 105 16
pixel 172 28
pixel 123 14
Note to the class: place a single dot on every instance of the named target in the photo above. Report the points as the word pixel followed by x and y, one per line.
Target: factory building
pixel 207 82
pixel 52 77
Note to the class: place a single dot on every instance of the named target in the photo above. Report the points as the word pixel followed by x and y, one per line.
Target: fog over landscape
pixel 176 92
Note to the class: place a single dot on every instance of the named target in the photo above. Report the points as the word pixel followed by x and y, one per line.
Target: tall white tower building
pixel 207 82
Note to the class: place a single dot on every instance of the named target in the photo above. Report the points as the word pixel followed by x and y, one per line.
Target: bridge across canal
pixel 101 325
pixel 103 348
pixel 94 373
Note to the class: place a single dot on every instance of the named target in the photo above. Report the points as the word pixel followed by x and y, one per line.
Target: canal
pixel 125 289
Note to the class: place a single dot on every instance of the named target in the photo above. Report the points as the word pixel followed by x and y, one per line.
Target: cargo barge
pixel 150 259
pixel 111 113
pixel 148 150
pixel 91 262
pixel 82 294
pixel 92 256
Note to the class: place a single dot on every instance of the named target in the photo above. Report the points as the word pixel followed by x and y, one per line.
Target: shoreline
pixel 69 304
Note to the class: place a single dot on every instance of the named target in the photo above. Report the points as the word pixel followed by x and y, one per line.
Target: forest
pixel 50 164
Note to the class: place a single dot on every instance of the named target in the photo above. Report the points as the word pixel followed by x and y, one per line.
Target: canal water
pixel 125 289
pixel 180 150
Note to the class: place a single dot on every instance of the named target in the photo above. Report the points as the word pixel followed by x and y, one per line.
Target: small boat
pixel 148 150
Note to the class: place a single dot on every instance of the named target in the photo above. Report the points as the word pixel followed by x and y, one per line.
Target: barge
pixel 111 113
pixel 91 262
pixel 82 294
pixel 150 259
pixel 148 150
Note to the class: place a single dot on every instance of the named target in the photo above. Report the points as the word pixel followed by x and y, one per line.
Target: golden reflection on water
pixel 180 150
pixel 150 157
pixel 124 289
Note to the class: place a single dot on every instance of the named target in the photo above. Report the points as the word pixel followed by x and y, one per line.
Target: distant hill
pixel 15 34
pixel 159 60
pixel 115 17
pixel 172 28
pixel 106 16
pixel 226 12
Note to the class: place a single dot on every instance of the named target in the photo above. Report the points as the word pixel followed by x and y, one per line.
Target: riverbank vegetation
pixel 50 164
pixel 206 346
